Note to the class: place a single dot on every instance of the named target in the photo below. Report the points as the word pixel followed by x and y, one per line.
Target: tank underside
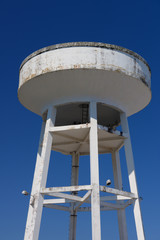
pixel 82 73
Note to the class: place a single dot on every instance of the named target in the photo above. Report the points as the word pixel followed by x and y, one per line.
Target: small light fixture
pixel 24 192
pixel 108 182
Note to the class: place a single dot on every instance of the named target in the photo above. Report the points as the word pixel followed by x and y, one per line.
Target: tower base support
pixel 67 198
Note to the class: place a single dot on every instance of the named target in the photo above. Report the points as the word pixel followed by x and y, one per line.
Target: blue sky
pixel 27 26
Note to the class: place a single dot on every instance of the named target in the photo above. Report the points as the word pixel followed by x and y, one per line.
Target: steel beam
pixel 40 177
pixel 118 184
pixel 118 192
pixel 74 182
pixel 94 170
pixel 46 191
pixel 132 177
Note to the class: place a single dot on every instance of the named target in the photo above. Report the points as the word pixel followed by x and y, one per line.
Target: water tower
pixel 84 91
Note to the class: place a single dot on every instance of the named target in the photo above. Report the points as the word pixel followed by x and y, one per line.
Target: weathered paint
pixel 118 185
pixel 40 178
pixel 86 44
pixel 94 174
pixel 132 178
pixel 97 203
pixel 84 58
pixel 74 182
pixel 85 72
pixel 105 73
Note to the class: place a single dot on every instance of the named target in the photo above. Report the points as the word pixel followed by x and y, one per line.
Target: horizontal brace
pixel 84 209
pixel 106 208
pixel 45 191
pixel 85 141
pixel 58 207
pixel 65 200
pixel 107 150
pixel 115 206
pixel 118 192
pixel 104 198
pixel 69 127
pixel 56 201
pixel 66 196
pixel 88 209
pixel 114 198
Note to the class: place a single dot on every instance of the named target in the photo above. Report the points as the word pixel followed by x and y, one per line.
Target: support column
pixel 132 178
pixel 40 178
pixel 118 185
pixel 74 182
pixel 94 171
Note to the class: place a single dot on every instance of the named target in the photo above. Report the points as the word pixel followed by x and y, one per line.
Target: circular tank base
pixel 112 88
pixel 82 72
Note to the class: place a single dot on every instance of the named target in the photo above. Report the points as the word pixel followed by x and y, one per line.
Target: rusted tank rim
pixel 85 44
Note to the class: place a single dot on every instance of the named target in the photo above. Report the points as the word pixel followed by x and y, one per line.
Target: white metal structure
pixel 83 91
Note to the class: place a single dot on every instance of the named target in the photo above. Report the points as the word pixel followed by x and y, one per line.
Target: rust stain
pixel 135 64
pixel 136 72
pixel 86 44
pixel 46 70
pixel 142 78
pixel 118 70
pixel 60 67
pixel 77 66
pixel 104 189
pixel 29 77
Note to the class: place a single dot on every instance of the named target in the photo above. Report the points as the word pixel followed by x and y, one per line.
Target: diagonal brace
pixel 85 197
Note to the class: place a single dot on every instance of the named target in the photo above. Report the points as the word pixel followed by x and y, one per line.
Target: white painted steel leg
pixel 74 182
pixel 132 178
pixel 40 177
pixel 118 184
pixel 94 169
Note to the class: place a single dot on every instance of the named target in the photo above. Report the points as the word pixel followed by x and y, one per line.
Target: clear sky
pixel 26 26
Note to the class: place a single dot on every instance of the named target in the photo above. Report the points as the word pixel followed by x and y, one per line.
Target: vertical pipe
pixel 94 170
pixel 40 178
pixel 132 178
pixel 74 182
pixel 118 184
